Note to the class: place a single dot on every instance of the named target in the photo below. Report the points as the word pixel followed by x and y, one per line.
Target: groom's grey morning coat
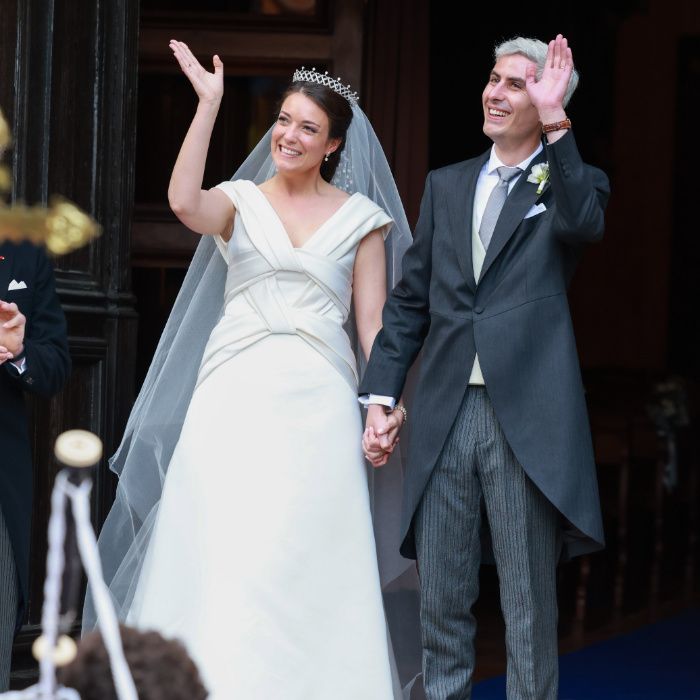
pixel 516 317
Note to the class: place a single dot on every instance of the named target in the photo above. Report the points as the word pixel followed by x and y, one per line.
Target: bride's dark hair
pixel 339 114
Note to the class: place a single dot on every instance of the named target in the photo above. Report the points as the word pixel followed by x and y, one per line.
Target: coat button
pixel 478 309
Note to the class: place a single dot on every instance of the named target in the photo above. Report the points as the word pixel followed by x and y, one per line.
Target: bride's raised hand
pixel 208 86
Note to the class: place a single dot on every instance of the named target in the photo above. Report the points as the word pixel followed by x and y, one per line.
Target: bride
pixel 259 553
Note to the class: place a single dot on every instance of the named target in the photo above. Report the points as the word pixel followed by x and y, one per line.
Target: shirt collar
pixel 495 162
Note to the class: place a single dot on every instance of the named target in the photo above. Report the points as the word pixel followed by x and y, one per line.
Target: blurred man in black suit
pixel 34 359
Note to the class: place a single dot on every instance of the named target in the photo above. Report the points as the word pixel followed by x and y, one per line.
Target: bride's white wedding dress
pixel 263 559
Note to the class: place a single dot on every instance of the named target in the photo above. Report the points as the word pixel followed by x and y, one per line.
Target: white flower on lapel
pixel 539 175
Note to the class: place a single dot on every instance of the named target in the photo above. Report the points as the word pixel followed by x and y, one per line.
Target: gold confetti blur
pixel 62 226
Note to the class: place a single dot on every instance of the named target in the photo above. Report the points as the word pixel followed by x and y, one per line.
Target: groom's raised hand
pixel 547 93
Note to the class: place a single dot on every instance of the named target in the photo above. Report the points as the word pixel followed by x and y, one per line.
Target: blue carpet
pixel 657 662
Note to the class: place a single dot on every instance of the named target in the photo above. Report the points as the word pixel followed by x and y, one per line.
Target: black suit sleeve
pixel 406 315
pixel 580 193
pixel 47 357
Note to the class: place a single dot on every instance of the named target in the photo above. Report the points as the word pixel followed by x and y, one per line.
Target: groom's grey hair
pixel 536 51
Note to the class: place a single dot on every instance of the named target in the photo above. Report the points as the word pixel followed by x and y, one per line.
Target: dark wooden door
pixel 67 86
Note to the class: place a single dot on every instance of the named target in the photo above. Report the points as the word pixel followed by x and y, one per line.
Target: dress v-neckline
pixel 316 231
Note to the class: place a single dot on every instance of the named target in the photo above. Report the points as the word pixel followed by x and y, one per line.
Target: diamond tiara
pixel 313 76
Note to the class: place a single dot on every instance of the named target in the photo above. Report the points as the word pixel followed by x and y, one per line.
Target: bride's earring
pixel 326 158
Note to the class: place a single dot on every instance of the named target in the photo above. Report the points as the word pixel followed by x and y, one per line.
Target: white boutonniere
pixel 539 175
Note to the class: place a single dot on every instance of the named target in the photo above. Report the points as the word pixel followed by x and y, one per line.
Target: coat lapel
pixel 461 210
pixel 521 198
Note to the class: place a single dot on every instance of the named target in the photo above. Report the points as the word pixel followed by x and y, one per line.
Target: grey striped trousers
pixel 9 600
pixel 478 471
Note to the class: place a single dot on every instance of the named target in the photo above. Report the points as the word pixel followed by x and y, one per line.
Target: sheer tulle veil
pixel 153 428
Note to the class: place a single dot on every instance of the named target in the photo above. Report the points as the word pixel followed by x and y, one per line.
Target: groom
pixel 500 433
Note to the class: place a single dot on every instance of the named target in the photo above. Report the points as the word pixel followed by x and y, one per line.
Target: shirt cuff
pixel 368 399
pixel 20 366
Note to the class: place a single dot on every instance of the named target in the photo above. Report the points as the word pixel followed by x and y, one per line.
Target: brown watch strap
pixel 556 126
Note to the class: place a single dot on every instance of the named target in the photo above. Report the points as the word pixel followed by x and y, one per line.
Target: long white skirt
pixel 263 558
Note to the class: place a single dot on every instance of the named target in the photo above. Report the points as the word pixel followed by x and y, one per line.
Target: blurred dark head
pixel 161 668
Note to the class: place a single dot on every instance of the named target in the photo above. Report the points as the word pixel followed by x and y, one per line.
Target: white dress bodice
pixel 273 287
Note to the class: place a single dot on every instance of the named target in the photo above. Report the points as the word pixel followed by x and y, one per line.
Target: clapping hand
pixel 547 93
pixel 12 324
pixel 208 86
pixel 381 434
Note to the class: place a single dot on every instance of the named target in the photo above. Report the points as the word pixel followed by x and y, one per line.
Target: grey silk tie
pixel 495 203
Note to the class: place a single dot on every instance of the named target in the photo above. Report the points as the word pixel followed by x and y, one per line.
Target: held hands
pixel 547 93
pixel 208 86
pixel 12 325
pixel 381 434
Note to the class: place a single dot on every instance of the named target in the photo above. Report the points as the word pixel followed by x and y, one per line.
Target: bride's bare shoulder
pixel 336 193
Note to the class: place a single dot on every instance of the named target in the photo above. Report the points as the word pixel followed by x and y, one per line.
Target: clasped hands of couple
pixel 12 324
pixel 381 434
